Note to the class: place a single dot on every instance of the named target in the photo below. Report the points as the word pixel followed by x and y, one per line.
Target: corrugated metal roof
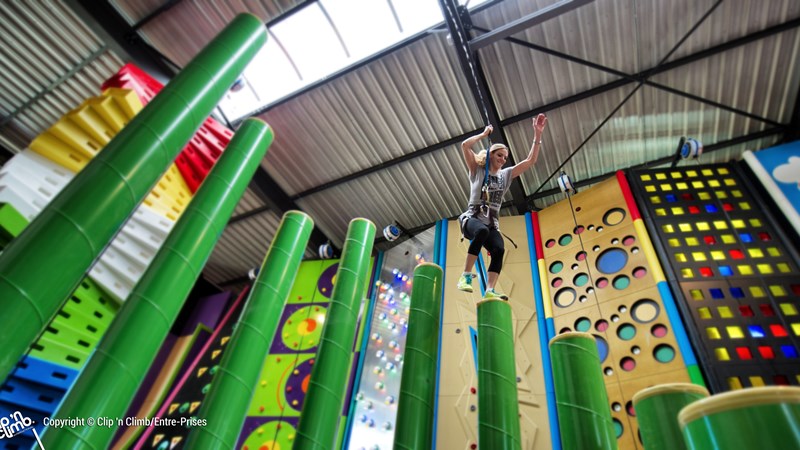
pixel 417 192
pixel 186 27
pixel 381 141
pixel 405 101
pixel 249 201
pixel 50 63
pixel 241 247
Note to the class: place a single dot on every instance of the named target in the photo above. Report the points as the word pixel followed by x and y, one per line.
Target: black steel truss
pixel 276 199
pixel 753 37
pixel 106 21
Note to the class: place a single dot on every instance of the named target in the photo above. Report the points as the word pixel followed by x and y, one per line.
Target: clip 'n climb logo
pixel 16 424
pixel 788 172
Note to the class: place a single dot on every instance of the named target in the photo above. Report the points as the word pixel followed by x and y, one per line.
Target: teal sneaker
pixel 465 283
pixel 491 294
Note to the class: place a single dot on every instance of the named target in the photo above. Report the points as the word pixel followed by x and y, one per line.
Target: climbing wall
pixel 457 416
pixel 43 376
pixel 178 352
pixel 274 412
pixel 186 396
pixel 32 178
pixel 601 276
pixel 203 149
pixel 28 182
pixel 377 389
pixel 738 281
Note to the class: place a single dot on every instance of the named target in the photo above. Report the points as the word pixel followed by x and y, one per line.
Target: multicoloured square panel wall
pixel 737 282
pixel 599 274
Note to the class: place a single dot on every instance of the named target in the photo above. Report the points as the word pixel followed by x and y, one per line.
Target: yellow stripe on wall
pixel 548 302
pixel 649 251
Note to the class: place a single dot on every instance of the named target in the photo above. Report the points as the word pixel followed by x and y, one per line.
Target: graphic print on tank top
pixel 495 189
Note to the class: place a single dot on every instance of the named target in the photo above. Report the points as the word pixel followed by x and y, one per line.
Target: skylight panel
pixel 322 39
pixel 268 78
pixel 366 26
pixel 311 42
pixel 417 15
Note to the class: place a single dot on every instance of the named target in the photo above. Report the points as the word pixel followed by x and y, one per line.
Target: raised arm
pixel 466 148
pixel 539 122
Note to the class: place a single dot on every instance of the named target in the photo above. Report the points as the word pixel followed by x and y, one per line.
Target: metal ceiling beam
pixel 656 162
pixel 793 129
pixel 664 67
pixel 278 200
pixel 661 61
pixel 523 23
pixel 458 23
pixel 103 19
pixel 666 159
pixel 335 30
pixel 564 102
pixel 729 45
pixel 248 214
pixel 155 13
pixel 386 164
pixel 667 66
pixel 5 154
pixel 399 46
pixel 636 78
pixel 657 70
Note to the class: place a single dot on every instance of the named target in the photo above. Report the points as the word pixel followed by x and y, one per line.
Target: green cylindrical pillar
pixel 109 381
pixel 225 406
pixel 45 263
pixel 754 418
pixel 657 409
pixel 498 405
pixel 584 415
pixel 415 410
pixel 324 399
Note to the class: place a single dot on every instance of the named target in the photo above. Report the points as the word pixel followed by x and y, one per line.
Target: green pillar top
pixel 488 300
pixel 571 335
pixel 361 219
pixel 727 401
pixel 669 388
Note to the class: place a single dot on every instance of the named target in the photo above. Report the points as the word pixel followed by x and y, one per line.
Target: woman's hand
pixel 539 122
pixel 487 131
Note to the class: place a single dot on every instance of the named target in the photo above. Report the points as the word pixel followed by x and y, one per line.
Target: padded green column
pixel 657 409
pixel 415 410
pixel 498 405
pixel 44 264
pixel 225 406
pixel 324 399
pixel 584 415
pixel 765 417
pixel 109 381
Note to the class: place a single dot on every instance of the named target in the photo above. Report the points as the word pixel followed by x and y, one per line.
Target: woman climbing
pixel 489 181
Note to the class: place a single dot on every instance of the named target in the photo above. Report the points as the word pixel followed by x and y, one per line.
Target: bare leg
pixel 470 264
pixel 492 279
